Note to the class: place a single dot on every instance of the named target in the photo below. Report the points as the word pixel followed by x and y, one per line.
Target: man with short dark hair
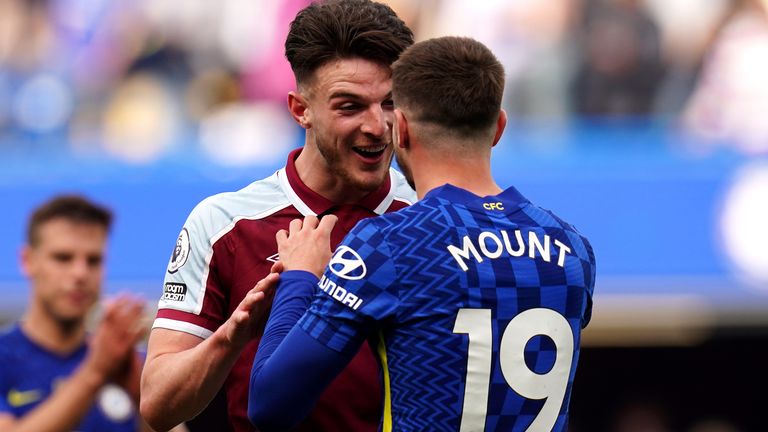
pixel 53 377
pixel 207 326
pixel 475 296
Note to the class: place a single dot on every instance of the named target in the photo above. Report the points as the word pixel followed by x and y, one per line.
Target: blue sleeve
pixel 359 293
pixel 291 368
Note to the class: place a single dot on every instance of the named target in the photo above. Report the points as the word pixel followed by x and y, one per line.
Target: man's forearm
pixel 176 386
pixel 288 358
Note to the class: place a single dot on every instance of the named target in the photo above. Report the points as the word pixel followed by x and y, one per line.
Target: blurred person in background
pixel 529 36
pixel 684 43
pixel 59 62
pixel 622 64
pixel 206 331
pixel 54 376
pixel 730 101
pixel 28 67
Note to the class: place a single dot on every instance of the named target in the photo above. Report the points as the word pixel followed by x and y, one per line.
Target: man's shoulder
pixel 12 341
pixel 258 200
pixel 10 333
pixel 549 219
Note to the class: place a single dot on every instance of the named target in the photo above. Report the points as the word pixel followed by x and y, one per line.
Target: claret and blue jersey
pixel 476 305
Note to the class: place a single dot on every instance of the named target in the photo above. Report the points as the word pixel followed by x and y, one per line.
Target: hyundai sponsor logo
pixel 347 264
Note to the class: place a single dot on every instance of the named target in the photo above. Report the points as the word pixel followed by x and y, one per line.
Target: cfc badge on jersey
pixel 180 252
pixel 346 263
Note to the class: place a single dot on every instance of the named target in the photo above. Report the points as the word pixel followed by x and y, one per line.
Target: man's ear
pixel 501 123
pixel 26 260
pixel 299 109
pixel 401 138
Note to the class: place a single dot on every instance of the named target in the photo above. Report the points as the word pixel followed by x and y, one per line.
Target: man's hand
pixel 243 324
pixel 112 345
pixel 307 245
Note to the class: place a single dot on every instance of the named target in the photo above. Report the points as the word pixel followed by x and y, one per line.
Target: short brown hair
pixel 73 208
pixel 453 82
pixel 338 29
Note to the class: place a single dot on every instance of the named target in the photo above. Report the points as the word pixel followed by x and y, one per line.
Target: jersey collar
pixel 456 194
pixel 309 202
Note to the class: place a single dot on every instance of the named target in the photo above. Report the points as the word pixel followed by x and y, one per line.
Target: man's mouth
pixel 372 152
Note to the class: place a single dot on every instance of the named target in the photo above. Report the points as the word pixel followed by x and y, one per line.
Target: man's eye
pixel 388 104
pixel 62 257
pixel 348 107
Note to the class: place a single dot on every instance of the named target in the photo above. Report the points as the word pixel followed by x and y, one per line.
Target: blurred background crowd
pixel 144 79
pixel 642 121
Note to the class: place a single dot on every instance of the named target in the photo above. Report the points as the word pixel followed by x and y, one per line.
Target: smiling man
pixel 207 326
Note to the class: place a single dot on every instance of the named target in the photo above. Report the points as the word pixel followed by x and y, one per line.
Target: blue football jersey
pixel 29 374
pixel 476 304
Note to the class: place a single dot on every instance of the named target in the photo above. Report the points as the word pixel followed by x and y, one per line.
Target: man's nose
pixel 377 122
pixel 80 268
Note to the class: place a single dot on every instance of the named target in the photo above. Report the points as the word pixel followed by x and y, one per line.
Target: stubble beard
pixel 67 325
pixel 339 170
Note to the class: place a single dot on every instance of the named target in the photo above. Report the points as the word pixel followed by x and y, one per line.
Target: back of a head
pixel 456 83
pixel 72 208
pixel 338 29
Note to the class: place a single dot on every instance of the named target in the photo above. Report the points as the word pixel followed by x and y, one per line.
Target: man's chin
pixel 368 181
pixel 70 320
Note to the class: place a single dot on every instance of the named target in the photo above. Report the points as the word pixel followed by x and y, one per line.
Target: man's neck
pixel 53 335
pixel 473 175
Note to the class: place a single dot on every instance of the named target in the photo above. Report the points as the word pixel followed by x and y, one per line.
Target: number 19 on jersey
pixel 477 324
